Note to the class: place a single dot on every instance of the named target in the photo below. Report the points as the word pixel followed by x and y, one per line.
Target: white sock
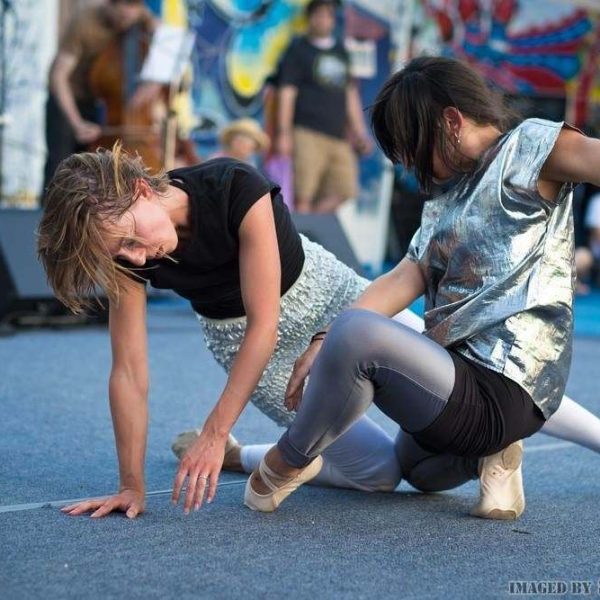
pixel 574 423
pixel 250 456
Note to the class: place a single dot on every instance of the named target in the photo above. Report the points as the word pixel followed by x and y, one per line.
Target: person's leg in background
pixel 310 163
pixel 340 181
pixel 573 423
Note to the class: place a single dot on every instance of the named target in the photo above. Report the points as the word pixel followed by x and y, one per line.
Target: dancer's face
pixel 144 232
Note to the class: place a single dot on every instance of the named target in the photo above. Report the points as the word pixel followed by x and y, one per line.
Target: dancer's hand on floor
pixel 200 465
pixel 302 366
pixel 131 502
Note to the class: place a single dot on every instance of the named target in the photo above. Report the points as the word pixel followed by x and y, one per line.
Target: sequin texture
pixel 324 289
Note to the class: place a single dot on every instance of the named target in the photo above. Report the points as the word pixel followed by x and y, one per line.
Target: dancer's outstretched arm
pixel 260 277
pixel 128 392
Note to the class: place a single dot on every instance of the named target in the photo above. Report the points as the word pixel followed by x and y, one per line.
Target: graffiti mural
pixel 584 91
pixel 238 45
pixel 528 47
pixel 534 48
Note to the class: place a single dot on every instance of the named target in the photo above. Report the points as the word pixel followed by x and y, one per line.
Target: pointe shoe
pixel 270 501
pixel 184 440
pixel 501 482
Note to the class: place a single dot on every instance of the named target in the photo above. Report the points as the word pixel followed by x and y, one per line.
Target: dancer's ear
pixel 454 121
pixel 143 190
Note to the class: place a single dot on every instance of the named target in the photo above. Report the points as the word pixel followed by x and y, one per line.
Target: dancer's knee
pixel 355 333
pixel 416 464
pixel 415 473
pixel 437 472
pixel 419 477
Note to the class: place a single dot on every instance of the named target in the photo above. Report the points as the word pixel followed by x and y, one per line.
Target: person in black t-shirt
pixel 318 101
pixel 219 235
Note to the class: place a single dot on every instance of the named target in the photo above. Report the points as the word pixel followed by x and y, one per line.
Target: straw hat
pixel 248 127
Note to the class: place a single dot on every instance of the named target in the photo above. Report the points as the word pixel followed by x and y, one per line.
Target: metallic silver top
pixel 498 261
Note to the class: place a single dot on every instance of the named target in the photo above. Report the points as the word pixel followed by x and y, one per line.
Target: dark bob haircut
pixel 407 115
pixel 314 5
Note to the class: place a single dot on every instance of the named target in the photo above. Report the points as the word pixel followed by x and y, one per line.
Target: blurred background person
pixel 319 106
pixel 592 224
pixel 72 111
pixel 245 140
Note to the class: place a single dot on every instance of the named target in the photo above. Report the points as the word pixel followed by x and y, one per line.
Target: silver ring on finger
pixel 205 477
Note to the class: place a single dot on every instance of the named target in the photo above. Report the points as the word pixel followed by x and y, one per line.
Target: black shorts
pixel 486 412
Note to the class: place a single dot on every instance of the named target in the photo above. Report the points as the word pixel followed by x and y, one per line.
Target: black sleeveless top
pixel 207 272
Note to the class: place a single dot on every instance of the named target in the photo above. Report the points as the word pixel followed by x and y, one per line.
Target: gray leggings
pixel 368 358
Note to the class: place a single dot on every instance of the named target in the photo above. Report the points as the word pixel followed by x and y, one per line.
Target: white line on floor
pixel 59 503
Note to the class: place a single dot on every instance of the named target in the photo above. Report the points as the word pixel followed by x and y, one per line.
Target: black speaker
pixel 22 278
pixel 26 299
pixel 327 231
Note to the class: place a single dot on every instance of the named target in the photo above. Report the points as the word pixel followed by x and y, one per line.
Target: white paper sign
pixel 169 53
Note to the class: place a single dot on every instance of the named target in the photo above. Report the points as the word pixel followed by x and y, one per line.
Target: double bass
pixel 114 80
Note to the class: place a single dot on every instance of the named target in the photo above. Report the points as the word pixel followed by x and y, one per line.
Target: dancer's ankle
pixel 277 464
pixel 282 472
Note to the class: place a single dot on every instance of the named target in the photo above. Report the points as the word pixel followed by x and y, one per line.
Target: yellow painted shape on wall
pixel 174 12
pixel 247 72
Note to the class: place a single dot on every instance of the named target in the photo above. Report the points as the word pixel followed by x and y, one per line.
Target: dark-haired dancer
pixel 494 259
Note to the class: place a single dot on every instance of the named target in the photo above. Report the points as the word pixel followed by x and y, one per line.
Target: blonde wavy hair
pixel 87 193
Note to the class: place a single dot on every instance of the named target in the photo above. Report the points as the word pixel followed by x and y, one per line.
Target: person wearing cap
pixel 243 139
pixel 319 105
pixel 71 110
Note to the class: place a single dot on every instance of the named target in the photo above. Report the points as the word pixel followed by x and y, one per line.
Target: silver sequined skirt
pixel 324 289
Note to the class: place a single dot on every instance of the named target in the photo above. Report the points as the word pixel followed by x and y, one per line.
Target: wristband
pixel 320 335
